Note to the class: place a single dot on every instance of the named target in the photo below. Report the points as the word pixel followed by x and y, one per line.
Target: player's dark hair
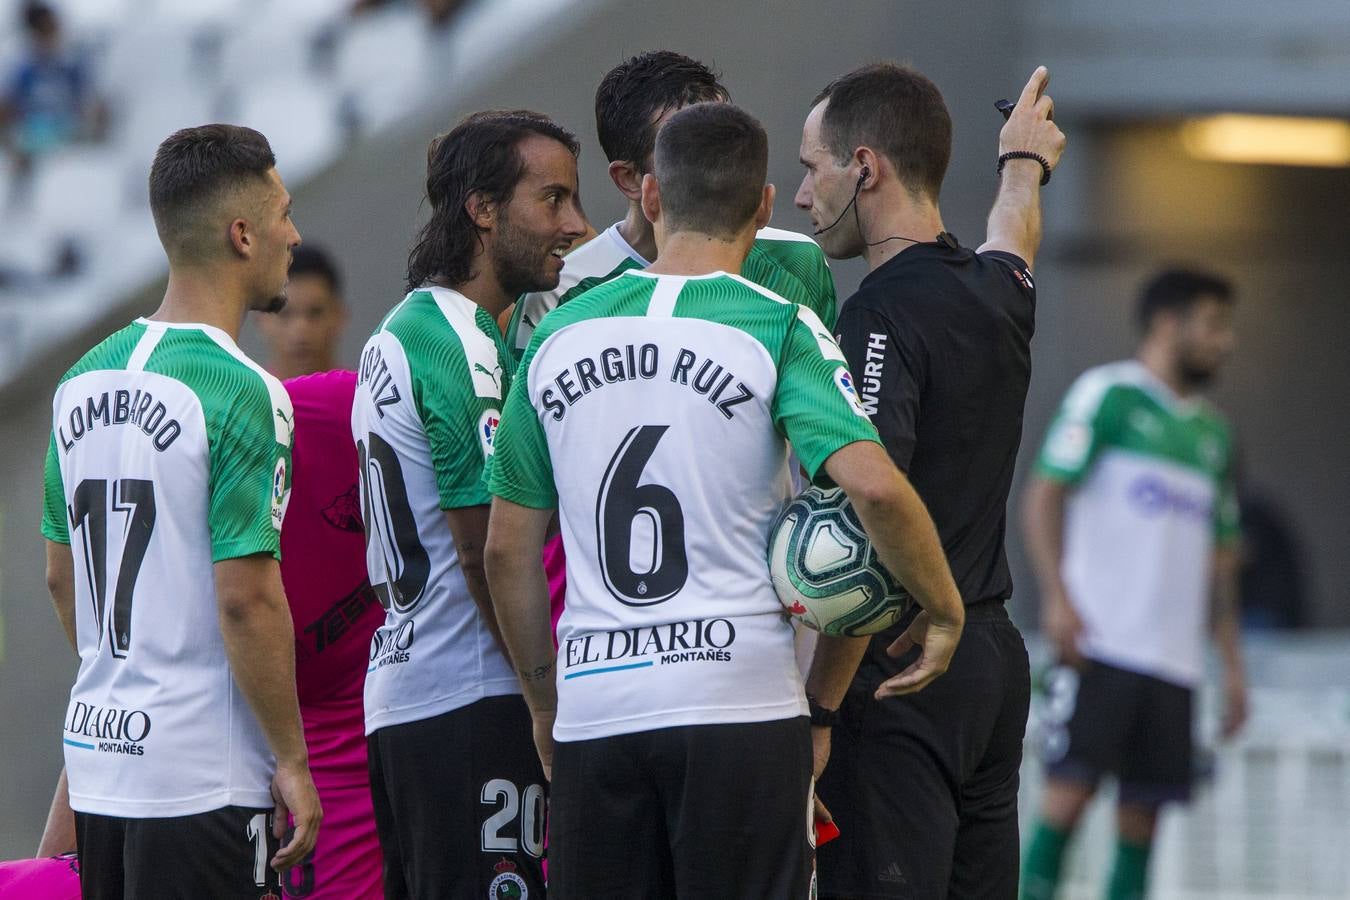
pixel 898 113
pixel 641 89
pixel 311 260
pixel 480 155
pixel 193 167
pixel 1178 290
pixel 711 161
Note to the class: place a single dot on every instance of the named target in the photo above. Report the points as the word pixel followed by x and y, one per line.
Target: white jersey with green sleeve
pixel 1152 479
pixel 653 412
pixel 789 264
pixel 170 452
pixel 429 394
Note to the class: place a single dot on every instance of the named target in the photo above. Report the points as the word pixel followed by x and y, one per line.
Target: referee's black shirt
pixel 939 342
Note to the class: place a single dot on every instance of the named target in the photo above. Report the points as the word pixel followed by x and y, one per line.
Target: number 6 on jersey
pixel 639 528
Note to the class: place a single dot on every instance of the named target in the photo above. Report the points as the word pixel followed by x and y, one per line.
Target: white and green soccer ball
pixel 825 569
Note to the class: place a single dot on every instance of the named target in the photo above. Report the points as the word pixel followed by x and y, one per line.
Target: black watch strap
pixel 820 716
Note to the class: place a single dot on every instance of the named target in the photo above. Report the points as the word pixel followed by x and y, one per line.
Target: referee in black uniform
pixel 924 785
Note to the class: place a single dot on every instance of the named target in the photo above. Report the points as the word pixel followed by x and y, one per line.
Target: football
pixel 825 570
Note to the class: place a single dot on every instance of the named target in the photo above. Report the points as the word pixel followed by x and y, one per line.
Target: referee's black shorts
pixel 924 787
pixel 703 812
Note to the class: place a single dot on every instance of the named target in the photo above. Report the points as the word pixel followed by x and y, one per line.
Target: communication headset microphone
pixel 856 188
pixel 945 238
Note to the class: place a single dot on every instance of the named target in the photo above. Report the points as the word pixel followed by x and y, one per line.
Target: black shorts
pixel 1110 720
pixel 698 811
pixel 460 804
pixel 924 787
pixel 223 853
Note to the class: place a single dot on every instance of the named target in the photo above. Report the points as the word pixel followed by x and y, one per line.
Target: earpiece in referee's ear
pixel 863 175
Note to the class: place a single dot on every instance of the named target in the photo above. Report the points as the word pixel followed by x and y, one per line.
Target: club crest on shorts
pixel 507 885
pixel 843 380
pixel 487 429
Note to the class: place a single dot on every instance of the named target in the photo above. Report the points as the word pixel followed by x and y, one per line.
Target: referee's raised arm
pixel 1029 147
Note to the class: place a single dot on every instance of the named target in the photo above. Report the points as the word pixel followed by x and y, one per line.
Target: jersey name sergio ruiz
pixel 170 452
pixel 653 414
pixel 429 395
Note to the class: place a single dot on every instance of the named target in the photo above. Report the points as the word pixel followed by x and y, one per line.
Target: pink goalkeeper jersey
pixel 323 568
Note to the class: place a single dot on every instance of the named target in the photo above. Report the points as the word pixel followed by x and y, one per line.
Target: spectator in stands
pixel 48 101
pixel 439 12
pixel 303 337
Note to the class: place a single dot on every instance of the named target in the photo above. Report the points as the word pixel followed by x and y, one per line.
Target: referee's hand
pixel 938 640
pixel 1031 124
pixel 296 797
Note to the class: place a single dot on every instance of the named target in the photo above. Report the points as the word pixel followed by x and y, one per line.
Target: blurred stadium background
pixel 1213 132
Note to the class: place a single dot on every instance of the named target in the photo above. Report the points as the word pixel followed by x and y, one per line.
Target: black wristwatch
pixel 820 716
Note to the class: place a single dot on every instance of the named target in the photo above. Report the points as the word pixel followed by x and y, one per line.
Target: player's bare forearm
pixel 515 571
pixel 1043 532
pixel 61 585
pixel 469 527
pixel 900 527
pixel 833 666
pixel 1228 636
pixel 259 637
pixel 58 836
pixel 1225 619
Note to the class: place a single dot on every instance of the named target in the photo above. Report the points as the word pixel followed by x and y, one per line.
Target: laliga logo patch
pixel 487 430
pixel 279 493
pixel 507 885
pixel 1069 443
pixel 844 381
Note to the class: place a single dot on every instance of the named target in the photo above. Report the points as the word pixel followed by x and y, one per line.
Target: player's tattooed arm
pixel 515 570
pixel 468 527
pixel 538 673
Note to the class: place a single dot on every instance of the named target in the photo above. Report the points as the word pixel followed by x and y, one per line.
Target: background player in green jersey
pixel 457 790
pixel 652 412
pixel 1131 521
pixel 633 101
pixel 167 478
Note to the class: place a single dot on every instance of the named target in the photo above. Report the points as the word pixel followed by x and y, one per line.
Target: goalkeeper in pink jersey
pixel 323 570
pixel 335 611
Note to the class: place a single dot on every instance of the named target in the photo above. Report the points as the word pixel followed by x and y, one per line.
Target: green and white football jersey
pixel 787 263
pixel 429 394
pixel 170 451
pixel 653 413
pixel 1153 493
